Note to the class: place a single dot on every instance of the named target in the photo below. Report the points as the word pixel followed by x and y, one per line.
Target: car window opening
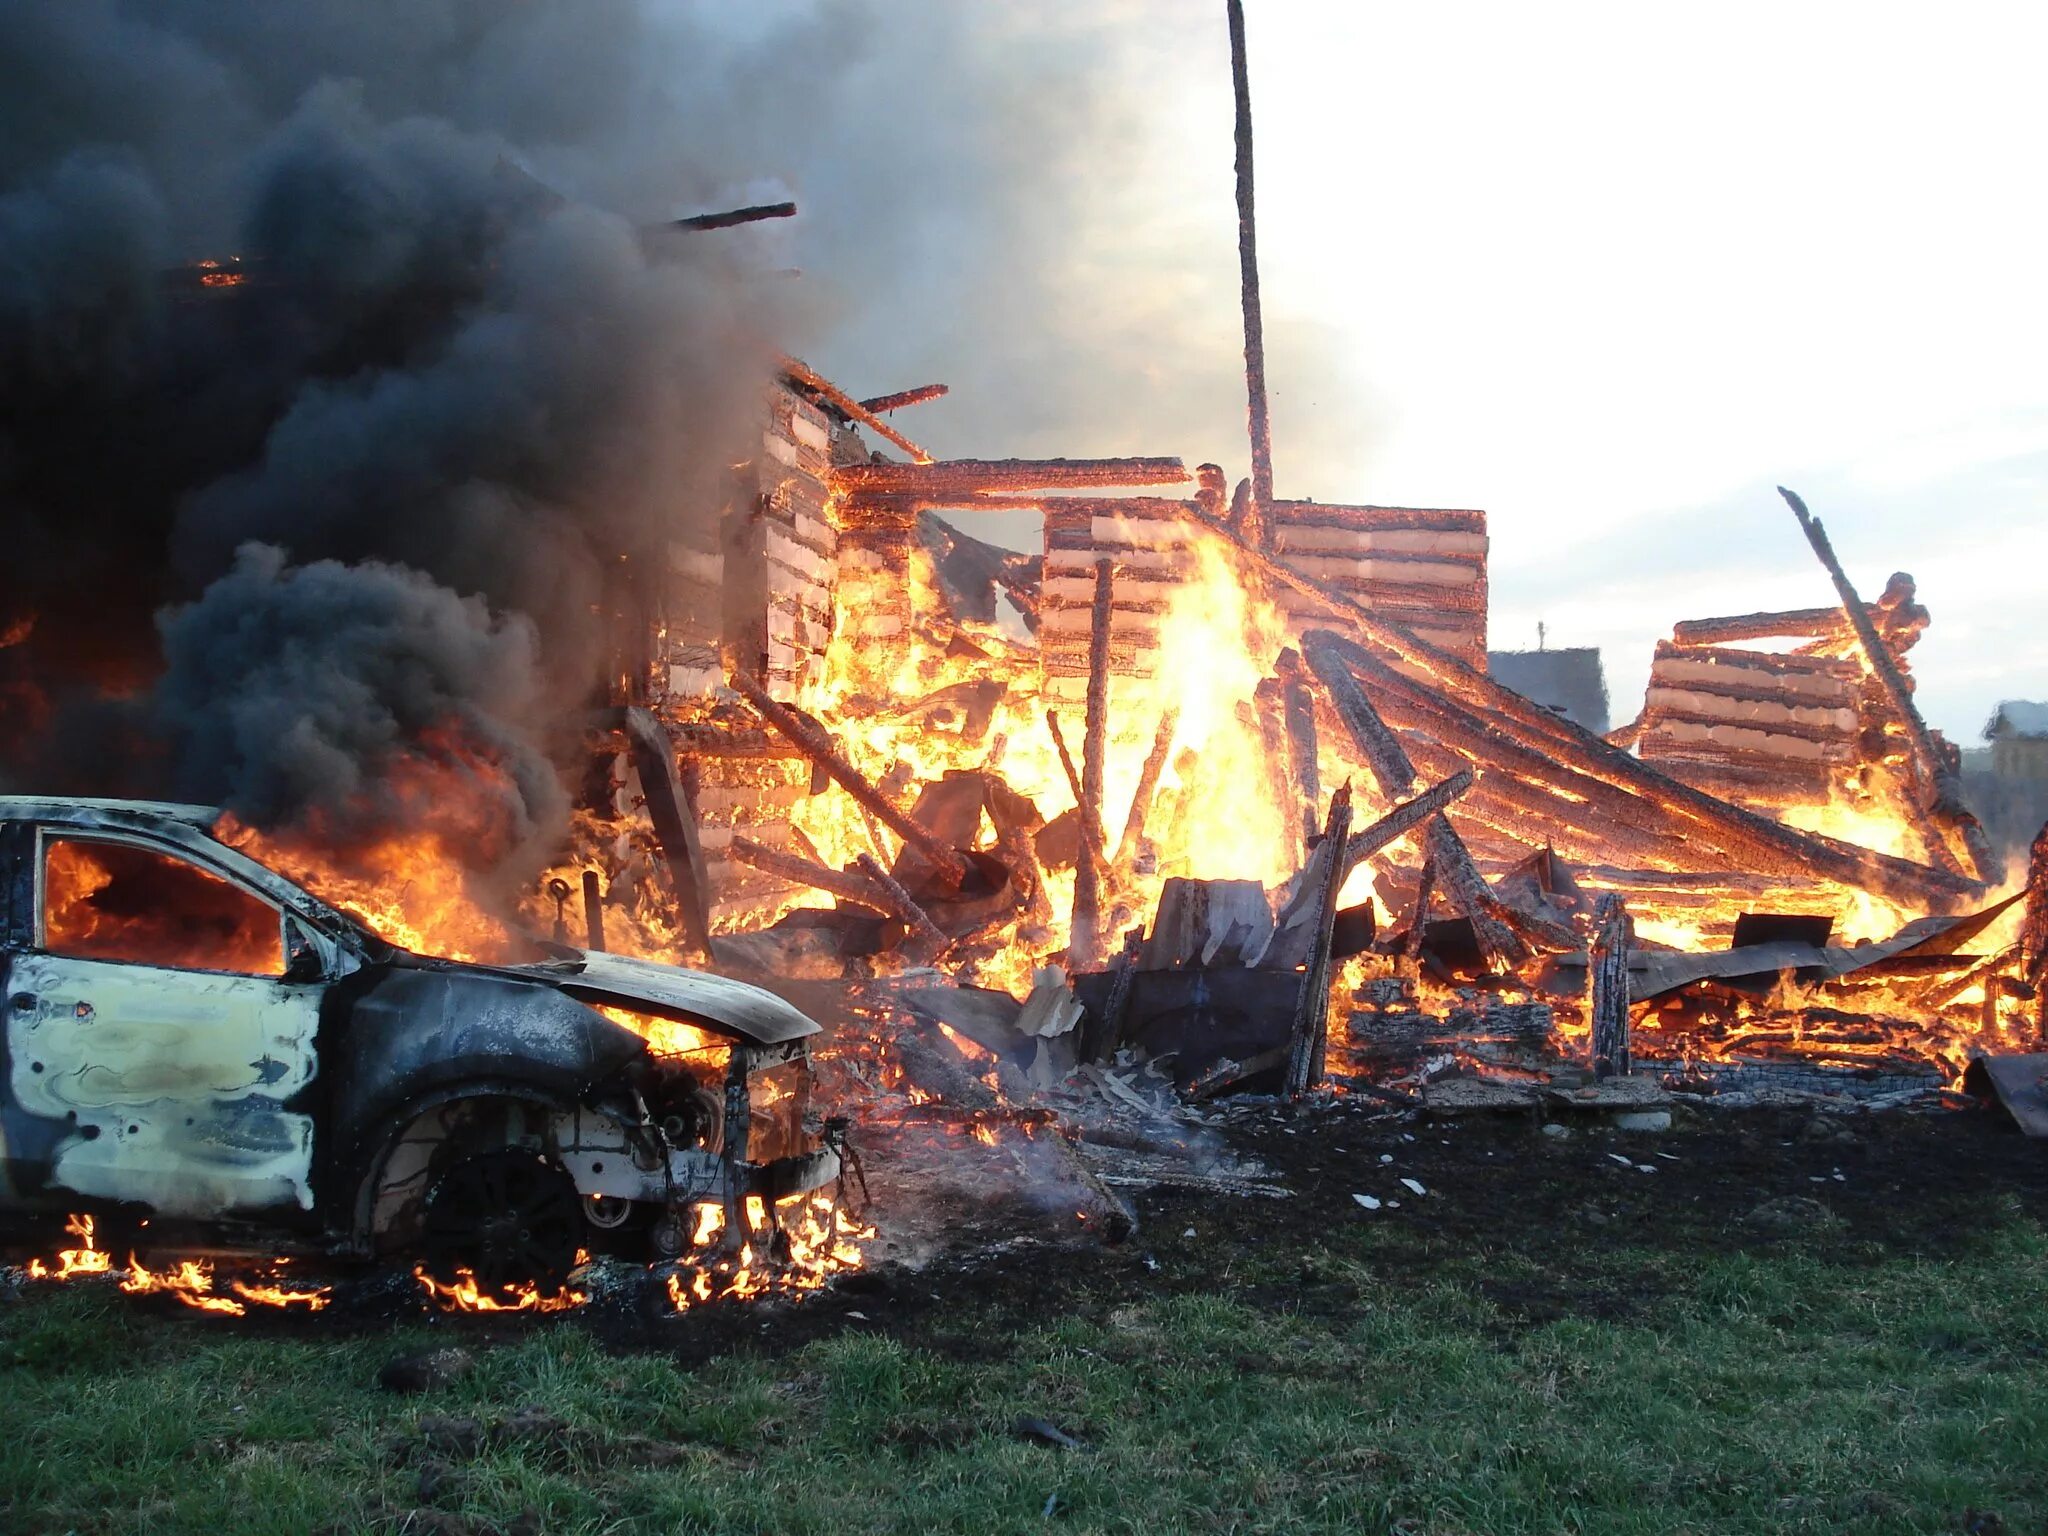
pixel 115 901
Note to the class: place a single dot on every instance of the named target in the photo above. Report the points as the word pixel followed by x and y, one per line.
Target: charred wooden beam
pixel 675 827
pixel 971 477
pixel 803 375
pixel 1613 936
pixel 903 397
pixel 1575 747
pixel 1396 775
pixel 1403 818
pixel 805 872
pixel 1310 1030
pixel 927 942
pixel 750 215
pixel 1148 785
pixel 817 746
pixel 1248 273
pixel 1803 623
pixel 1940 787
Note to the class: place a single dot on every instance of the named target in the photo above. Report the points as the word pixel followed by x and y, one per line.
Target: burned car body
pixel 193 1040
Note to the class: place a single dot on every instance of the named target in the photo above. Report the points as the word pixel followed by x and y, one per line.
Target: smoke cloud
pixel 462 387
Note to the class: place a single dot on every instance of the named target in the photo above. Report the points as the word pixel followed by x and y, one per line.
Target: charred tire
pixel 510 1216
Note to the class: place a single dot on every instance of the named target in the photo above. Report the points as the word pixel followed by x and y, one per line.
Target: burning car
pixel 197 1043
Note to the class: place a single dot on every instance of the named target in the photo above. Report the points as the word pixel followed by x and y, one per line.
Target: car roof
pixel 50 808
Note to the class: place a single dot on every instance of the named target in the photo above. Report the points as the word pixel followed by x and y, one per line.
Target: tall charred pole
pixel 1248 264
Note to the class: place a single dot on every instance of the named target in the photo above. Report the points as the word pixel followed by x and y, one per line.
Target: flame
pixel 821 1238
pixel 190 1281
pixel 463 1294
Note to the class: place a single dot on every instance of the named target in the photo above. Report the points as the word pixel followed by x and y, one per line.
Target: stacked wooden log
pixel 1794 695
pixel 1764 729
pixel 1422 568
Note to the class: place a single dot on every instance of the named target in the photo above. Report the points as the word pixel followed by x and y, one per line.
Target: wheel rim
pixel 510 1217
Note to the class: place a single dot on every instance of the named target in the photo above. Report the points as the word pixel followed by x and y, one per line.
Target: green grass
pixel 1777 1391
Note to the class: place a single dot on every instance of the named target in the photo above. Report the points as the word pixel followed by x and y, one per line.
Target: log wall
pixel 1418 567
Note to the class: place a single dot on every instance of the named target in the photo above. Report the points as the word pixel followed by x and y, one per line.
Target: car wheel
pixel 511 1217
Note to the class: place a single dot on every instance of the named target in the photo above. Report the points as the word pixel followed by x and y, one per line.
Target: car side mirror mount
pixel 303 961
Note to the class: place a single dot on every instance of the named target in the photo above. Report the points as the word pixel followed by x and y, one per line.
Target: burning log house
pixel 1224 787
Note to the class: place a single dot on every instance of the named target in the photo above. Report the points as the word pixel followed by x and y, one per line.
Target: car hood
pixel 647 986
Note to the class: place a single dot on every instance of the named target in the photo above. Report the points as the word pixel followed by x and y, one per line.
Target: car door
pixel 151 1016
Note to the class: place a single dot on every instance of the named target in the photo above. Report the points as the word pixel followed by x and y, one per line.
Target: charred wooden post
pixel 593 912
pixel 1391 766
pixel 803 871
pixel 1148 785
pixel 1940 788
pixel 1084 949
pixel 675 827
pixel 1301 738
pixel 1099 1042
pixel 927 941
pixel 1403 818
pixel 1312 1005
pixel 1425 891
pixel 1613 937
pixel 1248 268
pixel 2034 931
pixel 817 746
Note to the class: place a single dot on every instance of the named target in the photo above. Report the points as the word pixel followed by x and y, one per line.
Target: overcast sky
pixel 1608 272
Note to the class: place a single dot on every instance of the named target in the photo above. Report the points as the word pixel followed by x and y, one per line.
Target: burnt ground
pixel 1544 1226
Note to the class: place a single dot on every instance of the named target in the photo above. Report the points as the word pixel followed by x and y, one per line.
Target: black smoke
pixel 353 524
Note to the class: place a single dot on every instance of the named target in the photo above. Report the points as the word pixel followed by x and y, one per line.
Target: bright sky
pixel 1609 272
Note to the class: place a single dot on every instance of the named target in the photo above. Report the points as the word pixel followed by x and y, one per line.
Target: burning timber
pixel 1094 791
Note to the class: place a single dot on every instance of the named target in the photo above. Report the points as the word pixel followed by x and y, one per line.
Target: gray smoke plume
pixel 460 363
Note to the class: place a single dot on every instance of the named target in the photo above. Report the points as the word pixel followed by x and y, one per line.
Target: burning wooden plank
pixel 1318 916
pixel 975 478
pixel 817 746
pixel 849 407
pixel 1403 818
pixel 1148 785
pixel 903 397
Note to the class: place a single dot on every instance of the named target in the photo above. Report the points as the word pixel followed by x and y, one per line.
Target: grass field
pixel 1803 1388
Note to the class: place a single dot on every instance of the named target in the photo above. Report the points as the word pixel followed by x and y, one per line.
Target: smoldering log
pixel 1940 788
pixel 903 397
pixel 675 827
pixel 1403 818
pixel 803 871
pixel 1312 1004
pixel 817 746
pixel 1148 785
pixel 1396 775
pixel 1613 937
pixel 927 940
